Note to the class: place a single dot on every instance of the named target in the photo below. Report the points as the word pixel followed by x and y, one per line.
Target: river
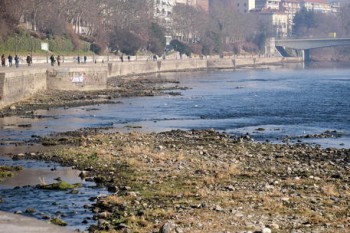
pixel 269 104
pixel 280 102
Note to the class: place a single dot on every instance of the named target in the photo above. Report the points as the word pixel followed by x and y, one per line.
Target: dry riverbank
pixel 203 181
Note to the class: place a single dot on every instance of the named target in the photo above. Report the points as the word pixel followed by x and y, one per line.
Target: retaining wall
pixel 20 84
pixel 82 78
pixel 17 86
pixel 116 69
pixel 221 63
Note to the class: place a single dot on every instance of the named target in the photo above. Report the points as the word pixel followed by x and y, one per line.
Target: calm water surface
pixel 283 101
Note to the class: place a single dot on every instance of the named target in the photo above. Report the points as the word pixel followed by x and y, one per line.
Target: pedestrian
pixel 78 59
pixel 58 60
pixel 29 60
pixel 52 59
pixel 3 60
pixel 128 57
pixel 85 58
pixel 17 61
pixel 121 58
pixel 10 58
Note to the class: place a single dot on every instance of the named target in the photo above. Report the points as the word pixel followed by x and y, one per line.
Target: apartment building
pixel 277 21
pixel 321 6
pixel 267 5
pixel 203 4
pixel 245 6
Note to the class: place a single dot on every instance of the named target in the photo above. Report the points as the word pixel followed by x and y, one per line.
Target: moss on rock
pixel 62 185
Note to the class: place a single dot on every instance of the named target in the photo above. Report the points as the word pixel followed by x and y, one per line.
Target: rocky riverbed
pixel 205 181
pixel 117 87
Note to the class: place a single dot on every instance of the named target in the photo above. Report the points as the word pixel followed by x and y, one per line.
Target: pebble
pixel 266 230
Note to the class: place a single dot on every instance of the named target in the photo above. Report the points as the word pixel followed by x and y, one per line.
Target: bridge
pixel 305 45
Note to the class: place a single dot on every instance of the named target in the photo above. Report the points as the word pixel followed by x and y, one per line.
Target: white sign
pixel 45 46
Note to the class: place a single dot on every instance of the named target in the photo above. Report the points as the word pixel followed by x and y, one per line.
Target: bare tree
pixel 190 23
pixel 345 18
pixel 10 14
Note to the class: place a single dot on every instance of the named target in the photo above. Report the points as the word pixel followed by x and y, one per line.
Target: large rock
pixel 168 227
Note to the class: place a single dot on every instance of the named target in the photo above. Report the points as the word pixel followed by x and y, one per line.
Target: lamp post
pixel 31 47
pixel 79 51
pixel 16 44
pixel 47 51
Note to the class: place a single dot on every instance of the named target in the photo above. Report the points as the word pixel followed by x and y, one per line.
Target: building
pixel 336 7
pixel 321 6
pixel 203 4
pixel 277 22
pixel 245 6
pixel 261 5
pixel 163 10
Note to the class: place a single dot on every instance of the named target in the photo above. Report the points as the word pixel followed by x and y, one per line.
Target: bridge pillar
pixel 306 55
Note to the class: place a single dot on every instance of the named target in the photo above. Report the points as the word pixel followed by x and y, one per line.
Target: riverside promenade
pixel 17 84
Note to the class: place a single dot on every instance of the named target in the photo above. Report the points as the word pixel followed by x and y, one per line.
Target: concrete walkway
pixel 14 223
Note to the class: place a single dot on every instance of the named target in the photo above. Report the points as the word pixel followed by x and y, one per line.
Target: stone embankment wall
pixel 17 85
pixel 77 78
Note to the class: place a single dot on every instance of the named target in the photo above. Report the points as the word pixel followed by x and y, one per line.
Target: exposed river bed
pixel 277 105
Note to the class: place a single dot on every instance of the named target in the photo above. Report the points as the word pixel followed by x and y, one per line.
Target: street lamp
pixel 16 44
pixel 47 51
pixel 31 47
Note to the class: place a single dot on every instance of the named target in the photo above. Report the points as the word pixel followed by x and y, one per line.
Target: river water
pixel 288 101
pixel 279 101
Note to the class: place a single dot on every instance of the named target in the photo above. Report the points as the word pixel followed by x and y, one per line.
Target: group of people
pixel 10 60
pixel 58 59
pixel 53 60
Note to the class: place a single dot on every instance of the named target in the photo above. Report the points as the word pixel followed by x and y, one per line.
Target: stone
pixel 168 227
pixel 113 189
pixel 274 226
pixel 266 230
pixel 30 211
pixel 74 191
pixel 83 174
pixel 104 215
pixel 218 208
pixel 179 230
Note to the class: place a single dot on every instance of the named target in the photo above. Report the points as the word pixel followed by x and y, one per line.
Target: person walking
pixel 3 60
pixel 17 61
pixel 52 59
pixel 85 58
pixel 58 60
pixel 78 59
pixel 10 58
pixel 29 60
